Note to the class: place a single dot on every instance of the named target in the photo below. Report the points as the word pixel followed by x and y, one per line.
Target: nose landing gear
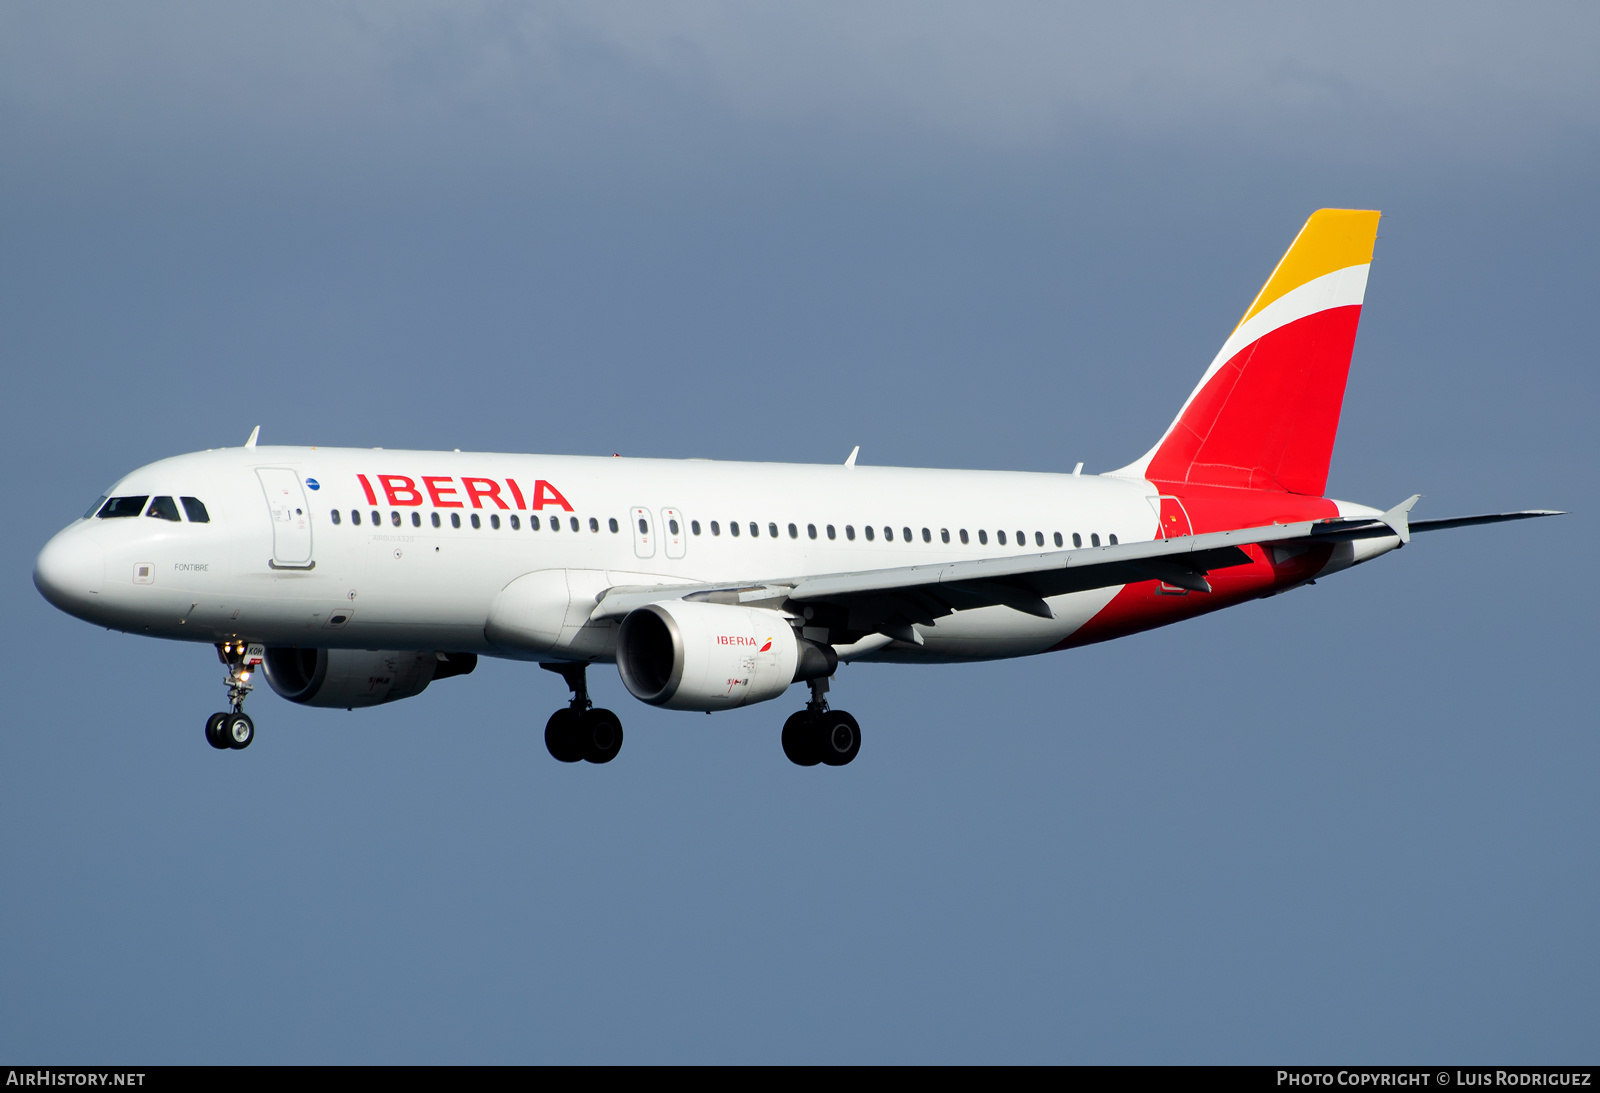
pixel 818 734
pixel 233 729
pixel 580 732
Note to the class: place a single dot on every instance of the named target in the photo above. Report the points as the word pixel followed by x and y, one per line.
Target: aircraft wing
pixel 889 600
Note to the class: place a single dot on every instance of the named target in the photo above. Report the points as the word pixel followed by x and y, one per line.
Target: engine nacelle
pixel 347 678
pixel 706 656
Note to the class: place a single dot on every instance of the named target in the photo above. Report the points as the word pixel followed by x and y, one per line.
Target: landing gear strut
pixel 579 731
pixel 234 729
pixel 818 734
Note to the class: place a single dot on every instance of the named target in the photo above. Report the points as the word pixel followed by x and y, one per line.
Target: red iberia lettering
pixel 436 492
pixel 399 489
pixel 372 498
pixel 516 494
pixel 546 494
pixel 479 488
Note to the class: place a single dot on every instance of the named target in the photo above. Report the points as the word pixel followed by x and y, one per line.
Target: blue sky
pixel 1355 822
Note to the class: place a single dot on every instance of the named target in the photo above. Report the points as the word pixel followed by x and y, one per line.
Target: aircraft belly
pixel 995 633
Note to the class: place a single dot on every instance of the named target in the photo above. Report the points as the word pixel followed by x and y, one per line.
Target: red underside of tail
pixel 1149 604
pixel 1267 419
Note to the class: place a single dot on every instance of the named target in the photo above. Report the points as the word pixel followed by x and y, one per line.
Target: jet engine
pixel 347 678
pixel 704 656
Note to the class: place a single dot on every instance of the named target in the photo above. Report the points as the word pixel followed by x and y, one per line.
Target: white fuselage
pixel 420 566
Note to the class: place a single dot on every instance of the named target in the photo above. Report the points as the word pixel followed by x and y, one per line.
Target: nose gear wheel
pixel 232 730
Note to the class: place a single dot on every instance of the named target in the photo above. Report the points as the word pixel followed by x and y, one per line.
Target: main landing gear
pixel 233 729
pixel 819 735
pixel 579 731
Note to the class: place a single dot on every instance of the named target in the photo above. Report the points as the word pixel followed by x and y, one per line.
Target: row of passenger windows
pixel 162 508
pixel 869 532
pixel 554 523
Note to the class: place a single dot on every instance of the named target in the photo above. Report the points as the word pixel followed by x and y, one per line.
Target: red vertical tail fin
pixel 1267 410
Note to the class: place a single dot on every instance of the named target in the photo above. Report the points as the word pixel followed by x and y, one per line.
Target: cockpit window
pixel 196 510
pixel 162 508
pixel 94 508
pixel 123 506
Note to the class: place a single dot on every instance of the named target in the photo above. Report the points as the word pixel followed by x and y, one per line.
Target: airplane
pixel 355 577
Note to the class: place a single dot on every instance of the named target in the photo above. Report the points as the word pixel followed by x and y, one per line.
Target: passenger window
pixel 533 523
pixel 1094 538
pixel 716 528
pixel 849 532
pixel 355 517
pixel 672 526
pixel 416 520
pixel 830 532
pixel 195 509
pixel 963 536
pixel 794 532
pixel 516 523
pixel 1038 538
pixel 755 530
pixel 927 536
pixel 733 528
pixel 612 524
pixel 983 537
pixel 1077 540
pixel 694 527
pixel 455 519
pixel 811 531
pixel 1022 538
pixel 1058 539
pixel 334 516
pixel 888 535
pixel 123 506
pixel 1113 540
pixel 869 531
pixel 1000 537
pixel 572 522
pixel 377 519
pixel 394 518
pixel 94 508
pixel 494 521
pixel 477 524
pixel 644 528
pixel 905 533
pixel 434 518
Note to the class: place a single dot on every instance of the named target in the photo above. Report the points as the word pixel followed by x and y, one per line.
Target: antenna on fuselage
pixel 851 462
pixel 251 443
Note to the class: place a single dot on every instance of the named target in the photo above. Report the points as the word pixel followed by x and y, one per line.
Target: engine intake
pixel 705 656
pixel 348 678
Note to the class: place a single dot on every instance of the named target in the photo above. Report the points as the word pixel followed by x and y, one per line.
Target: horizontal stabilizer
pixel 1490 518
pixel 1360 527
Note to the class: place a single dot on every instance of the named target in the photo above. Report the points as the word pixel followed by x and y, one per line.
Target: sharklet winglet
pixel 1397 517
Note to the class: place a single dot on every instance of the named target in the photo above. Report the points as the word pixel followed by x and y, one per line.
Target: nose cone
pixel 70 571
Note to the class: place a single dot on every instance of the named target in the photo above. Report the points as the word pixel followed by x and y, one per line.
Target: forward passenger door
pixel 291 520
